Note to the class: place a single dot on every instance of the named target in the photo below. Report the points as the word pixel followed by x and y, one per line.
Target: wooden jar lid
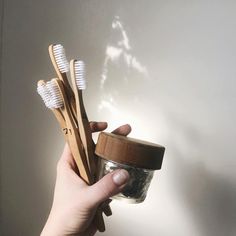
pixel 129 151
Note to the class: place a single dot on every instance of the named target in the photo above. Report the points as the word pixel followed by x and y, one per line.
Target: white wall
pixel 165 67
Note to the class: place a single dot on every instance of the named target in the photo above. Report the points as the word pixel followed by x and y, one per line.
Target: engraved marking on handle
pixel 67 131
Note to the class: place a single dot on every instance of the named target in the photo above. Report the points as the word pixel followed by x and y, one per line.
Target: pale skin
pixel 75 203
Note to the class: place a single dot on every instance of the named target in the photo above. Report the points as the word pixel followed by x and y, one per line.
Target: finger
pixel 123 130
pixel 66 154
pixel 97 126
pixel 67 166
pixel 107 187
pixel 67 158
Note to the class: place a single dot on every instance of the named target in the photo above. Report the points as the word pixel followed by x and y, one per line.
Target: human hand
pixel 75 203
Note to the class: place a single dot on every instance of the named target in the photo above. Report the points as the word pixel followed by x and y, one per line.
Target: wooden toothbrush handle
pixel 99 221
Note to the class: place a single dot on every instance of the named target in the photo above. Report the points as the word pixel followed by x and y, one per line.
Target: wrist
pixel 52 227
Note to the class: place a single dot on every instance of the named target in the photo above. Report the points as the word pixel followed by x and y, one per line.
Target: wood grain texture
pixel 73 137
pixel 130 151
pixel 83 123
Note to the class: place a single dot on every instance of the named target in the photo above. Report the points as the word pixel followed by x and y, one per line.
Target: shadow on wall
pixel 210 198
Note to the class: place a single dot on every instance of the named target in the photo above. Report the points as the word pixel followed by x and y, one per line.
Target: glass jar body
pixel 136 189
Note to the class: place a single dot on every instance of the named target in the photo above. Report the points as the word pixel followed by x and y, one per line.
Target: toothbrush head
pixel 44 93
pixel 56 100
pixel 60 58
pixel 50 94
pixel 79 69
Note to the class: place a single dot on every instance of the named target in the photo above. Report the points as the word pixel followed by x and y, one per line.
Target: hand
pixel 75 203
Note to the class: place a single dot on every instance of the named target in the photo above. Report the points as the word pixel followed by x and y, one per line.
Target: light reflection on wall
pixel 123 75
pixel 120 50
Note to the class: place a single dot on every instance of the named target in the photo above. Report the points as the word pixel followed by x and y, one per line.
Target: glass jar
pixel 136 189
pixel 139 158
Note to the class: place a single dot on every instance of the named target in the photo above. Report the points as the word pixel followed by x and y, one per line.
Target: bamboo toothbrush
pixel 61 66
pixel 59 99
pixel 46 97
pixel 77 69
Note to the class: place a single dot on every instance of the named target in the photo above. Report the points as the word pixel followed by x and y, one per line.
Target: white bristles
pixel 44 93
pixel 79 68
pixel 50 94
pixel 56 100
pixel 60 57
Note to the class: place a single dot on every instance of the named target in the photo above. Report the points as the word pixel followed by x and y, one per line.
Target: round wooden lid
pixel 129 151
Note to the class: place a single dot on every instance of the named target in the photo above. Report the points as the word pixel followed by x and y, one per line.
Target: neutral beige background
pixel 165 67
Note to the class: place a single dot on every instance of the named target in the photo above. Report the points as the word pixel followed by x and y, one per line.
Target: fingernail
pixel 120 177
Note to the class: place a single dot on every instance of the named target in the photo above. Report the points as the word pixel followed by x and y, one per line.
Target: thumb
pixel 108 186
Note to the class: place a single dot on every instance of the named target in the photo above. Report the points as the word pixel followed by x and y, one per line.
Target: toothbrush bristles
pixel 79 68
pixel 56 100
pixel 44 93
pixel 50 94
pixel 60 57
